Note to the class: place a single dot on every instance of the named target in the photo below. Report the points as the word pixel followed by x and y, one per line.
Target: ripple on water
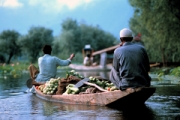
pixel 165 106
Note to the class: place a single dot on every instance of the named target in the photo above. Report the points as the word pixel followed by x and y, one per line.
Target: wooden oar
pixel 84 81
pixel 29 83
pixel 98 87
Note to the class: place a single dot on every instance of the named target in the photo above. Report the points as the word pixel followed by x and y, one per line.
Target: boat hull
pixel 90 68
pixel 108 67
pixel 115 98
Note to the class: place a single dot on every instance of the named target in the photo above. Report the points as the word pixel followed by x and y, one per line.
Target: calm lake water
pixel 15 104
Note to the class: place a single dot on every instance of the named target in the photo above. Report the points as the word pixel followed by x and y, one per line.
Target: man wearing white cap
pixel 130 64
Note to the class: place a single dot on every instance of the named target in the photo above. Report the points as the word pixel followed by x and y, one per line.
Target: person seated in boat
pixel 88 60
pixel 130 64
pixel 47 66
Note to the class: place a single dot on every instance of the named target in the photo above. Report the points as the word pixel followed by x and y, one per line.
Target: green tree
pixel 75 36
pixel 33 42
pixel 159 28
pixel 9 44
pixel 173 6
pixel 2 59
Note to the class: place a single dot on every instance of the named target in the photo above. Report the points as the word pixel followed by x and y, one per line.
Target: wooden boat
pixel 116 98
pixel 90 68
pixel 98 67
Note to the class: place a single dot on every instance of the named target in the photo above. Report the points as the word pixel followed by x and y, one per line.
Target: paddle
pixel 30 83
pixel 81 82
pixel 84 81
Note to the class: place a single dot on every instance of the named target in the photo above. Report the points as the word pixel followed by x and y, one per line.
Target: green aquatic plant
pixel 175 71
pixel 12 70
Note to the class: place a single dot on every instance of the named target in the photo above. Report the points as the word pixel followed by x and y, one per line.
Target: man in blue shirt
pixel 130 64
pixel 47 66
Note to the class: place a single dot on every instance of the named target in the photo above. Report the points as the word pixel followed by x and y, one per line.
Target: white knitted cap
pixel 125 33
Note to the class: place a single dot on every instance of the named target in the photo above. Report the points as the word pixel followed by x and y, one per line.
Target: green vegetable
pixel 67 92
pixel 113 88
pixel 72 72
pixel 74 89
pixel 71 89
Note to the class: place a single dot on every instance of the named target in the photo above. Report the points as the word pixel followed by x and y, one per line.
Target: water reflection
pixel 165 102
pixel 12 86
pixel 67 111
pixel 140 113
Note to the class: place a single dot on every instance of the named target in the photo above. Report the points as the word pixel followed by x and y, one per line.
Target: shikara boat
pixel 89 68
pixel 98 67
pixel 117 98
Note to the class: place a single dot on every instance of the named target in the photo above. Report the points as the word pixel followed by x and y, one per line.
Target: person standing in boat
pixel 47 66
pixel 130 64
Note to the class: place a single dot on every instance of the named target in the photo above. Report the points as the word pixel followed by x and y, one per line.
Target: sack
pixel 64 82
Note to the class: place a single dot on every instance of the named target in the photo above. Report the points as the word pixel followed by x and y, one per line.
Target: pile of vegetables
pixel 74 73
pixel 71 89
pixel 50 87
pixel 107 85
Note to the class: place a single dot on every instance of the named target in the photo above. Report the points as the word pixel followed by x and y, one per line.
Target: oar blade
pixel 81 82
pixel 29 83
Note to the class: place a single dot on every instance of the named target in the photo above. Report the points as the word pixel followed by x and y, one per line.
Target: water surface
pixel 16 104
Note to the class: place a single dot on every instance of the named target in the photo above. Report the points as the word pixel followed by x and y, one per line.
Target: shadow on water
pixel 141 112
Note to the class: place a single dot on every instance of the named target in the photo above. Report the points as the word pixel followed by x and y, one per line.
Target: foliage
pixel 175 71
pixel 159 28
pixel 174 7
pixel 72 39
pixel 13 70
pixel 75 36
pixel 78 58
pixel 33 42
pixel 9 44
pixel 2 58
pixel 161 71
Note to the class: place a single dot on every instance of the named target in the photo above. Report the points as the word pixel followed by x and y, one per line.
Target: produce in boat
pixel 74 73
pixel 71 89
pixel 51 86
pixel 105 84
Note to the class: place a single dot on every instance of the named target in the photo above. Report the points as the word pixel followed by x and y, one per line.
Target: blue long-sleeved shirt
pixel 131 64
pixel 48 66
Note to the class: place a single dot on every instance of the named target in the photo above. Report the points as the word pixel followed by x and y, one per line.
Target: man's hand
pixel 121 44
pixel 72 56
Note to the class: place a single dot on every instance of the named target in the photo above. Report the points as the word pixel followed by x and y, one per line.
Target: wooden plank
pixel 155 65
pixel 105 50
pixel 90 68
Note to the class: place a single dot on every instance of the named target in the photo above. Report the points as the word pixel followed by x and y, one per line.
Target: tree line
pixel 158 21
pixel 74 36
